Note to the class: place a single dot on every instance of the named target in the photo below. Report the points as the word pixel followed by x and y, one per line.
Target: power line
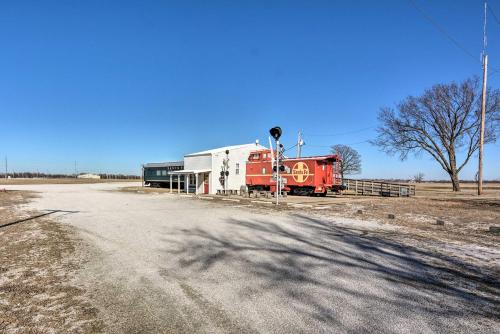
pixel 341 133
pixel 348 144
pixel 495 17
pixel 442 30
pixel 453 40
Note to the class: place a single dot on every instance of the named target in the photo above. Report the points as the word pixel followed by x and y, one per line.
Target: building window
pixel 237 172
pixel 158 172
pixel 264 170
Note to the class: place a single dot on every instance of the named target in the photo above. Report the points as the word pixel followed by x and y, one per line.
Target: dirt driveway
pixel 169 264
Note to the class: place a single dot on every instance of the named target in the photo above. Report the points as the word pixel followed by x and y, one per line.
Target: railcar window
pixel 164 172
pixel 237 172
pixel 264 170
pixel 158 173
pixel 255 157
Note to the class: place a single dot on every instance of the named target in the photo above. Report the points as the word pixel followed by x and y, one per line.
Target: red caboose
pixel 302 176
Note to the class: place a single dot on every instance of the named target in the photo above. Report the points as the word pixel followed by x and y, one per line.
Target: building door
pixel 205 183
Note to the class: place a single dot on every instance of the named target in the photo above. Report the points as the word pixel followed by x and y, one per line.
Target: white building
pixel 88 176
pixel 203 169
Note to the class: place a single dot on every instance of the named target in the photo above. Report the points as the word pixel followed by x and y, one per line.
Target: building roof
pixel 164 164
pixel 223 149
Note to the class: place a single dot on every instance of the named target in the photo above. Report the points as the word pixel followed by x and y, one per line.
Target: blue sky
pixel 113 84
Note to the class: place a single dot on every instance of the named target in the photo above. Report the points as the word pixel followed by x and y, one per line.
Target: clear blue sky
pixel 113 84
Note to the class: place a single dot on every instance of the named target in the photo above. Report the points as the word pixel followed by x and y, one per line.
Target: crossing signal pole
pixel 276 134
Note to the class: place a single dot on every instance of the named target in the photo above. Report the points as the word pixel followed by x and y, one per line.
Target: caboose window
pixel 264 170
pixel 255 157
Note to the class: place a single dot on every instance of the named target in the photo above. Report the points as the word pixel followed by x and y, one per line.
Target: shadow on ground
pixel 328 273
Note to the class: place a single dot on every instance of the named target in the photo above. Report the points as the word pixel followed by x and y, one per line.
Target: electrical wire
pixel 492 12
pixel 442 30
pixel 449 37
pixel 348 144
pixel 341 133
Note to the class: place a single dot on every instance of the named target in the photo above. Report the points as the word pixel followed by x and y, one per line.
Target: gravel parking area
pixel 161 263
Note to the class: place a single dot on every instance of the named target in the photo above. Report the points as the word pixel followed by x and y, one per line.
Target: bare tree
pixel 351 160
pixel 419 177
pixel 443 122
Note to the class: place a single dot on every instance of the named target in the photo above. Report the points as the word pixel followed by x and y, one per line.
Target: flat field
pixel 444 189
pixel 18 181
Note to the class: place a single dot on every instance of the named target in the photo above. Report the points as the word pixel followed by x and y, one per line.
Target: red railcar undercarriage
pixel 302 176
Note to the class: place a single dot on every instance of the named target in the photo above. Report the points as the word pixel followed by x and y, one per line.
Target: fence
pixel 380 188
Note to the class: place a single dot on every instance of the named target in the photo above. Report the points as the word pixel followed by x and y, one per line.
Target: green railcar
pixel 157 174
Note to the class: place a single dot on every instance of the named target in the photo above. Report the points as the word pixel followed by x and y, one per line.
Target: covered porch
pixel 196 181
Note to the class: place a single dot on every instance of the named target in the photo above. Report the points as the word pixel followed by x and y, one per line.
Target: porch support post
pixel 178 183
pixel 186 182
pixel 196 184
pixel 170 183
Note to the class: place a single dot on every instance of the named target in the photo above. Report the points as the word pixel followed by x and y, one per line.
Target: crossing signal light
pixel 275 132
pixel 281 168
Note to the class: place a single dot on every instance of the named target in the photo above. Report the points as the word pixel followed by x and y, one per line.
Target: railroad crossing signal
pixel 275 132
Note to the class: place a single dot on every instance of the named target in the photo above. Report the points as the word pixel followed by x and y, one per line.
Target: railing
pixel 380 188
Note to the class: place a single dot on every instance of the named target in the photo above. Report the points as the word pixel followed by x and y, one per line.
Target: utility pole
pixel 481 132
pixel 483 109
pixel 5 167
pixel 299 144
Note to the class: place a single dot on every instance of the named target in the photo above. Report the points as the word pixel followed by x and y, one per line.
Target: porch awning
pixel 191 171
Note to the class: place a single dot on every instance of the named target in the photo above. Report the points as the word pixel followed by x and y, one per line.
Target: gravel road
pixel 170 264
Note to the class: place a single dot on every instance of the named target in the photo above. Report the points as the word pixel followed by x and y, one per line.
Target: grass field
pixel 18 181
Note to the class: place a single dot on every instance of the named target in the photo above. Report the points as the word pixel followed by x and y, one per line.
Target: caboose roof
pixel 317 157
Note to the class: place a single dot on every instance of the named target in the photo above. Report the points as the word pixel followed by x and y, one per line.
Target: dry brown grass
pixel 444 189
pixel 61 181
pixel 36 269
